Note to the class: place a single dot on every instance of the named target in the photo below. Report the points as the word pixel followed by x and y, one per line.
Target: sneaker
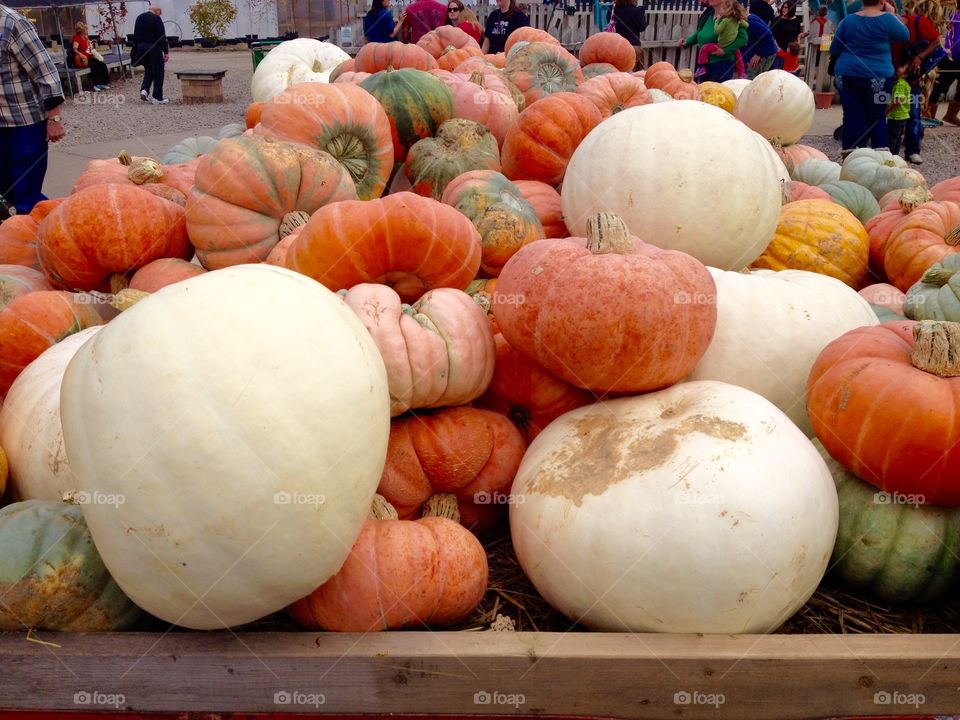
pixel 164 101
pixel 915 159
pixel 144 95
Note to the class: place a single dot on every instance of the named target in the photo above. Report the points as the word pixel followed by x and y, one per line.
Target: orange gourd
pixel 528 34
pixel 160 273
pixel 614 92
pixel 919 240
pixel 374 57
pixel 612 48
pixel 664 76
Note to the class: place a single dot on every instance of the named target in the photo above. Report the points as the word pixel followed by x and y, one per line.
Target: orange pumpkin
pixel 374 57
pixel 604 47
pixel 663 76
pixel 921 239
pixel 252 115
pixel 498 60
pixel 160 273
pixel 546 204
pixel 948 189
pixel 527 394
pixel 400 573
pixel 592 311
pixel 793 155
pixel 108 229
pixel 18 235
pixel 341 119
pixel 528 34
pixel 346 66
pixel 541 69
pixel 614 92
pixel 470 453
pixel 474 100
pixel 439 40
pixel 117 171
pixel 352 77
pixel 540 145
pixel 452 56
pixel 893 206
pixel 794 190
pixel 404 240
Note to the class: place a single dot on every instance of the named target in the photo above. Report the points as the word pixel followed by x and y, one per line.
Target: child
pixel 729 18
pixel 898 111
pixel 790 57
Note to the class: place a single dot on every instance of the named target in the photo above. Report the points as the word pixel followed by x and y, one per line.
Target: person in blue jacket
pixel 378 25
pixel 761 49
pixel 864 72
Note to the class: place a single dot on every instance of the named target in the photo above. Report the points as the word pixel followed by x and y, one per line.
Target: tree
pixel 211 18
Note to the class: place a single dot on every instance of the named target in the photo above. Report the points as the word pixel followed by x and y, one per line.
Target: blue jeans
pixel 913 136
pixel 864 103
pixel 718 71
pixel 23 164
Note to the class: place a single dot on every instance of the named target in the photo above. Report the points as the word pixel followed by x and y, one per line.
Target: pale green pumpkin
pixel 188 149
pixel 51 575
pixel 854 197
pixel 879 171
pixel 816 172
pixel 936 296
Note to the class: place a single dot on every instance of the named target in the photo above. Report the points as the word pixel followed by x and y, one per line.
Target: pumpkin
pixel 481 292
pixel 879 171
pixel 716 94
pixel 498 60
pixel 525 393
pixel 893 206
pixel 347 66
pixel 352 77
pixel 673 155
pixel 300 458
pixel 659 96
pixel 18 235
pixel 108 229
pixel 815 172
pixel 899 552
pixel 736 85
pixel 794 190
pixel 341 119
pixel 474 100
pixel 819 236
pixel 540 69
pixel 590 309
pixel 252 114
pixel 885 314
pixel 785 319
pixel 885 295
pixel 295 61
pixel 528 34
pixel 609 48
pixel 374 57
pixel 118 171
pixel 651 502
pixel 51 576
pixel 437 41
pixel 400 573
pixel 459 146
pixel 406 241
pixel 494 78
pixel 437 352
pixel 469 453
pixel 417 103
pixel 934 295
pixel 855 198
pixel 595 69
pixel 614 92
pixel 882 402
pixel 189 149
pixel 546 204
pixel 778 105
pixel 278 256
pixel 922 238
pixel 496 207
pixel 231 130
pixel 454 56
pixel 663 76
pixel 547 133
pixel 793 155
pixel 948 189
pixel 165 271
pixel 16 280
pixel 30 428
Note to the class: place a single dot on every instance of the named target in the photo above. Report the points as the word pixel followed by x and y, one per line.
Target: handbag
pixel 96 55
pixel 612 24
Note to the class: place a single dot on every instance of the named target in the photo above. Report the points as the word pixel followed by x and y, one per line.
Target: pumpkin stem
pixel 936 348
pixel 442 505
pixel 686 75
pixel 119 281
pixel 937 276
pixel 124 158
pixel 127 298
pixel 478 78
pixel 953 237
pixel 144 170
pixel 381 509
pixel 291 221
pixel 912 197
pixel 607 233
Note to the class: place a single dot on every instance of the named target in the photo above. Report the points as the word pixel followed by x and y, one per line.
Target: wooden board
pixel 576 674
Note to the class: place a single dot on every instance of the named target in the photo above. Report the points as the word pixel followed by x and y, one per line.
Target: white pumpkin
pixel 778 105
pixel 659 95
pixel 30 429
pixel 696 509
pixel 880 171
pixel 771 326
pixel 294 61
pixel 736 85
pixel 230 431
pixel 684 176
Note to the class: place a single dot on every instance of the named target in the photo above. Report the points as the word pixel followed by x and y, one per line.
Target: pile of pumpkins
pixel 307 365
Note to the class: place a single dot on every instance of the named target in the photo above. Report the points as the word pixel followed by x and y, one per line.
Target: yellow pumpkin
pixel 819 236
pixel 717 94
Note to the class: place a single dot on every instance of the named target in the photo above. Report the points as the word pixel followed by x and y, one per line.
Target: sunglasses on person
pixel 453 10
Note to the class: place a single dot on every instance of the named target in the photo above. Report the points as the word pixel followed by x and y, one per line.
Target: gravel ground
pixel 118 113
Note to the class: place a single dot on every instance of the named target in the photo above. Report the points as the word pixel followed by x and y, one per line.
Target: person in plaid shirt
pixel 30 110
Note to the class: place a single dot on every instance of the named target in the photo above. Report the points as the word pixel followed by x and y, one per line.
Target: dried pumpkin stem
pixel 953 237
pixel 607 233
pixel 937 276
pixel 291 221
pixel 936 348
pixel 442 505
pixel 913 197
pixel 127 298
pixel 124 158
pixel 381 509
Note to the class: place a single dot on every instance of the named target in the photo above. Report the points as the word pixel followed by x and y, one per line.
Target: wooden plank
pixel 578 674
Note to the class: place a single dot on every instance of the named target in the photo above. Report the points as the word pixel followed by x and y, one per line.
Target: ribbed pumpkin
pixel 541 69
pixel 474 100
pixel 417 103
pixel 609 48
pixel 882 400
pixel 948 189
pixel 814 171
pixel 925 236
pixel 109 229
pixel 459 146
pixel 818 236
pixel 400 573
pixel 855 198
pixel 346 66
pixel 437 41
pixel 716 94
pixel 935 295
pixel 438 351
pixel 590 310
pixel 406 241
pixel 614 92
pixel 341 119
pixel 528 34
pixel 16 280
pixel 546 203
pixel 794 190
pixel 893 206
pixel 18 235
pixel 51 575
pixel 452 57
pixel 596 69
pixel 470 453
pixel 165 271
pixel 540 145
pixel 127 170
pixel 250 189
pixel 879 171
pixel 886 296
pixel 374 57
pixel 494 78
pixel 496 207
pixel 252 114
pixel 793 155
pixel 664 76
pixel 352 77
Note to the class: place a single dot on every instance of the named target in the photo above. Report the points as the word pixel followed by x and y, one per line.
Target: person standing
pixel 629 21
pixel 150 50
pixel 99 74
pixel 761 49
pixel 949 73
pixel 378 24
pixel 31 100
pixel 459 16
pixel 420 17
pixel 720 67
pixel 501 22
pixel 923 34
pixel 763 10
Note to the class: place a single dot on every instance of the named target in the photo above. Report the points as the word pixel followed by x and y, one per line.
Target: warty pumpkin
pixel 458 147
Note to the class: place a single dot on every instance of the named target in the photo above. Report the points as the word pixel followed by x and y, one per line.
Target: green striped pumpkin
pixel 854 197
pixel 416 102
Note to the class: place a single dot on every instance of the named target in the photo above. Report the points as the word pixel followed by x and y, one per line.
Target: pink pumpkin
pixel 886 295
